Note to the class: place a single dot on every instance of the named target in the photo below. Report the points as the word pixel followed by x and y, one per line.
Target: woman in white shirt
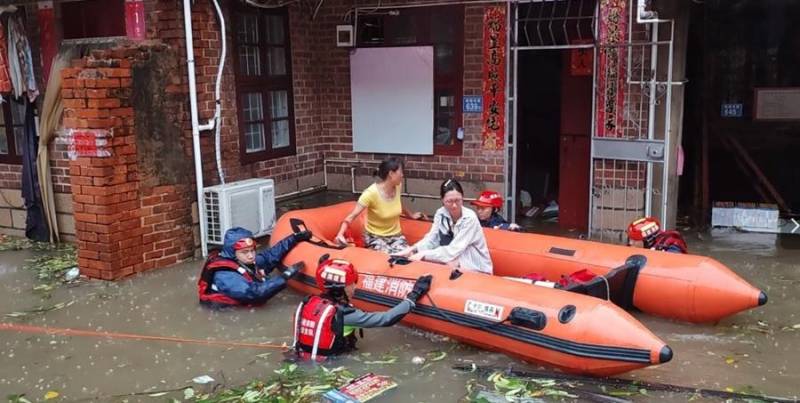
pixel 456 237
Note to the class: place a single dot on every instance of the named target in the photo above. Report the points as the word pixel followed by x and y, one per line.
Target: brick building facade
pixel 135 210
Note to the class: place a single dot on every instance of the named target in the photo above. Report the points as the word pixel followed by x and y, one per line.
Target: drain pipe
pixel 198 165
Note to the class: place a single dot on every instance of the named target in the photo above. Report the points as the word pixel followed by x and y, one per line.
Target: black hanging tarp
pixel 35 223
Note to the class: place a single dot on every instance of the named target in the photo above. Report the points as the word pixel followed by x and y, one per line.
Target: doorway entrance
pixel 553 130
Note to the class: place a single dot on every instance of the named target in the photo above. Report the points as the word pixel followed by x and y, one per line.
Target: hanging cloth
pixel 5 79
pixel 50 118
pixel 20 60
pixel 35 223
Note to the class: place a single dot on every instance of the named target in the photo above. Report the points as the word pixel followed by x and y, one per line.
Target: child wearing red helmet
pixel 325 325
pixel 487 206
pixel 646 232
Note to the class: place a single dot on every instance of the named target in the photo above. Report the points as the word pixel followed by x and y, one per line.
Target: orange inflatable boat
pixel 686 287
pixel 574 332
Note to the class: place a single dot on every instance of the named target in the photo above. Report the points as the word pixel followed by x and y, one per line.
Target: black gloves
pixel 293 270
pixel 421 287
pixel 304 235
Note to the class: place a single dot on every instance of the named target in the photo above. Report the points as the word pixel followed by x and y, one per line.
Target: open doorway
pixel 553 133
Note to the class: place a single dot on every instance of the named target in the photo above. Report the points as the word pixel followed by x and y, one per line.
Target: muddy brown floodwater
pixel 755 350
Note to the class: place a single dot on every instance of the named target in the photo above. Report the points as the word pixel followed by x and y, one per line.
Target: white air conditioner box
pixel 249 204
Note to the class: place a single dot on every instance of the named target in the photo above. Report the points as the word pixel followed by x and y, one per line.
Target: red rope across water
pixel 60 331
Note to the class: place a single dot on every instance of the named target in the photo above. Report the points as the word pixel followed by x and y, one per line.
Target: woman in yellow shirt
pixel 382 202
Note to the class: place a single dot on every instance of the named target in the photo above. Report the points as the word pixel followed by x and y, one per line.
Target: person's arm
pixel 235 286
pixel 405 212
pixel 468 233
pixel 359 318
pixel 348 220
pixel 431 239
pixel 269 259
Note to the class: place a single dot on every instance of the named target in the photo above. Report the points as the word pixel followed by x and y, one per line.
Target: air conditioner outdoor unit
pixel 249 204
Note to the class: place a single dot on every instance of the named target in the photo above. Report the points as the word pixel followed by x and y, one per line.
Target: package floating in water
pixel 362 389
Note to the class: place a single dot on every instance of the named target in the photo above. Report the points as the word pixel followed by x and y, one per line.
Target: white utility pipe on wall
pixel 198 164
pixel 218 102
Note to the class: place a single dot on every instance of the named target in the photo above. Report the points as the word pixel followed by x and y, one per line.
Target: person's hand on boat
pixel 417 216
pixel 304 235
pixel 292 271
pixel 514 227
pixel 421 288
pixel 416 257
pixel 406 252
pixel 341 240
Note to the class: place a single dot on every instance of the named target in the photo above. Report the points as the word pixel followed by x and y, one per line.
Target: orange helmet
pixel 644 229
pixel 333 273
pixel 489 198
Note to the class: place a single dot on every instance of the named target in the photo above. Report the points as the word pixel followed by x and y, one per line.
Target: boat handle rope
pixel 299 225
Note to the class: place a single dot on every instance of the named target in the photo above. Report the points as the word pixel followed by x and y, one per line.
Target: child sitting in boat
pixel 238 276
pixel 646 232
pixel 325 325
pixel 487 206
pixel 456 237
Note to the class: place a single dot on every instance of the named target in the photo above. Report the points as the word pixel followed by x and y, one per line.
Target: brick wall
pixel 165 23
pixel 131 213
pixel 482 167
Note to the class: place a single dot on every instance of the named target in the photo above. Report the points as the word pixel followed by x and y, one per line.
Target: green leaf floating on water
pixel 386 359
pixel 436 355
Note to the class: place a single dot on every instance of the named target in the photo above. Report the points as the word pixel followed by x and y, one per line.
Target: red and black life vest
pixel 319 328
pixel 670 241
pixel 207 292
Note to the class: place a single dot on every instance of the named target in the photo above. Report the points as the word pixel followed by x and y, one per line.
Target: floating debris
pixel 514 388
pixel 385 359
pixel 40 310
pixel 17 398
pixel 203 379
pixel 290 384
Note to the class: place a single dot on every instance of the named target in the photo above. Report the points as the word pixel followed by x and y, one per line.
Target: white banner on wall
pixel 391 92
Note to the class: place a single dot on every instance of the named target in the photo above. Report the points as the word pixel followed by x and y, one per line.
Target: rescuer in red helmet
pixel 325 325
pixel 487 206
pixel 647 232
pixel 238 275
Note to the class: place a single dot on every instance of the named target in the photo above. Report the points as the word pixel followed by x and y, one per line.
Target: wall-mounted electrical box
pixel 344 36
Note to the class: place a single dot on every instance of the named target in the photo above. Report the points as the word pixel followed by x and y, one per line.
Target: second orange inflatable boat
pixel 574 332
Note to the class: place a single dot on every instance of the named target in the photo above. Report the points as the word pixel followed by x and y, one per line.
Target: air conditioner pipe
pixel 218 102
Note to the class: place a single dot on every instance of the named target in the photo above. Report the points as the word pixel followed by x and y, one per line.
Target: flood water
pixel 758 349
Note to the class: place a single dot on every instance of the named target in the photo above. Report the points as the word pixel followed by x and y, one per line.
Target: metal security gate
pixel 631 114
pixel 631 123
pixel 539 25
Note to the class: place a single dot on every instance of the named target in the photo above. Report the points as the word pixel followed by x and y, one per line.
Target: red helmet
pixel 644 229
pixel 489 198
pixel 336 273
pixel 244 243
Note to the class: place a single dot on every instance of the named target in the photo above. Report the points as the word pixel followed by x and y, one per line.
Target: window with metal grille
pixel 555 23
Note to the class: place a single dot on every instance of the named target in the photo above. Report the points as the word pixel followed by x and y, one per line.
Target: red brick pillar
pixel 131 196
pixel 98 119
